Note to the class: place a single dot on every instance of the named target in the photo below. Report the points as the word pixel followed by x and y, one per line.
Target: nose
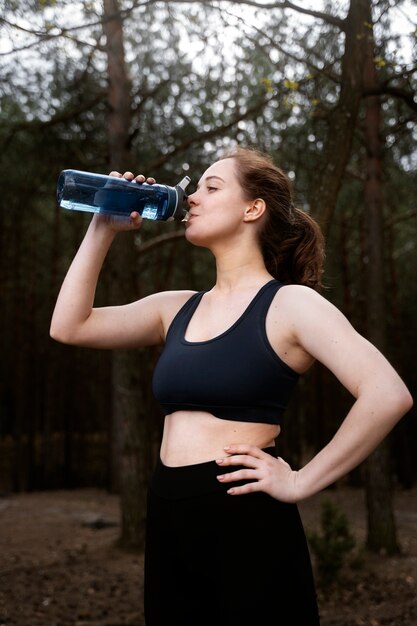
pixel 192 199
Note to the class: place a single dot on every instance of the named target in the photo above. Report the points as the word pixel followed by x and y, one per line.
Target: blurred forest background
pixel 327 88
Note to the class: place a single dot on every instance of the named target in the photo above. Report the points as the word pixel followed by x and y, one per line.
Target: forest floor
pixel 59 565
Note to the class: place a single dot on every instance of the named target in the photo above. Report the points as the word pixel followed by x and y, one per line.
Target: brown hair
pixel 291 241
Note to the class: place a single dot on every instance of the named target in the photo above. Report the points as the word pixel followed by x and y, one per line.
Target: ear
pixel 254 210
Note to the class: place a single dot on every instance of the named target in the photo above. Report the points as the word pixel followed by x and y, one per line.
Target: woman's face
pixel 218 206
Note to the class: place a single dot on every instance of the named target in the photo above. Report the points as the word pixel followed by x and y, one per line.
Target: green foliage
pixel 194 91
pixel 333 545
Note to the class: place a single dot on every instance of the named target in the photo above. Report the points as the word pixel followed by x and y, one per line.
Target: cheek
pixel 221 217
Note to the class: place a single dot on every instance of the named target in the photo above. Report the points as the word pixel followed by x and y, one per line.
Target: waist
pixel 192 437
pixel 187 481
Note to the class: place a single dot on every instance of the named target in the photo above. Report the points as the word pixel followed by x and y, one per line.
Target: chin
pixel 194 237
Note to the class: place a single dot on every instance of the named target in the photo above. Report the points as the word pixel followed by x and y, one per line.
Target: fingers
pixel 243 489
pixel 248 456
pixel 245 449
pixel 140 178
pixel 135 219
pixel 238 459
pixel 262 471
pixel 242 474
pixel 127 175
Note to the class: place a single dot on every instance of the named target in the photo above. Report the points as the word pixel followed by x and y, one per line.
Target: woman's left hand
pixel 272 475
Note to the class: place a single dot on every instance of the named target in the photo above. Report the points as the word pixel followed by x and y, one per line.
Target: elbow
pixel 402 402
pixel 56 335
pixel 407 401
pixel 61 334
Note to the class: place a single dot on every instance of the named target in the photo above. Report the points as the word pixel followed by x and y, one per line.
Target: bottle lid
pixel 180 211
pixel 183 184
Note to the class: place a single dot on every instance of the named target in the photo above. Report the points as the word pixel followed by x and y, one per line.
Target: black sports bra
pixel 234 376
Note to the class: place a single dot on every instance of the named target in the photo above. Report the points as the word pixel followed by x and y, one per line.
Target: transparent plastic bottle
pixel 97 193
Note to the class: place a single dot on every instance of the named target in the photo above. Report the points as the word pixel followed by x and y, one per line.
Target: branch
pixel 43 37
pixel 397 92
pixel 412 213
pixel 285 4
pixel 305 60
pixel 155 242
pixel 208 134
pixel 64 116
pixel 67 32
pixel 151 93
pixel 355 174
pixel 402 75
pixel 400 126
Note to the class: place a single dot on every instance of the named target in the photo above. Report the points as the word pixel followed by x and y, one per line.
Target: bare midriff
pixel 192 437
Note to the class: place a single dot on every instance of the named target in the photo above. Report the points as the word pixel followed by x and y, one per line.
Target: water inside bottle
pixel 117 199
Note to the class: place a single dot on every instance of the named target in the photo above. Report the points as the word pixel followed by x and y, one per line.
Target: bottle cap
pixel 181 212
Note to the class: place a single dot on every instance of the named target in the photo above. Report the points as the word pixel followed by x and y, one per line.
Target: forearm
pixel 365 426
pixel 76 297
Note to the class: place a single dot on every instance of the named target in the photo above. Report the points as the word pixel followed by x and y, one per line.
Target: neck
pixel 240 268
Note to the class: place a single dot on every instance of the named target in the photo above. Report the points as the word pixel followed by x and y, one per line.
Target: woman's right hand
pixel 118 223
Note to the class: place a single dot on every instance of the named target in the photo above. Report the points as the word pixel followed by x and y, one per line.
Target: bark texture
pixel 128 424
pixel 382 534
pixel 343 117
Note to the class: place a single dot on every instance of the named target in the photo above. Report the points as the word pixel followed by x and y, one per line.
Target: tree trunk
pixel 128 431
pixel 342 119
pixel 381 522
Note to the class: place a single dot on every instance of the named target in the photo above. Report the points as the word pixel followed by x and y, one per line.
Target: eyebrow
pixel 210 178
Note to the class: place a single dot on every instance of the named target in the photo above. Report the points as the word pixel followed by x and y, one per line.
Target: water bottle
pixel 97 193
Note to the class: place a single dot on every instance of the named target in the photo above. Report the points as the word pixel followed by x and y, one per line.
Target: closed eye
pixel 211 188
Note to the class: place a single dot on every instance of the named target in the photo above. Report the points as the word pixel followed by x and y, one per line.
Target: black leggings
pixel 220 560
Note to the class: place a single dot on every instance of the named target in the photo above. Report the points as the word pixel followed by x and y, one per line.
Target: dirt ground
pixel 59 565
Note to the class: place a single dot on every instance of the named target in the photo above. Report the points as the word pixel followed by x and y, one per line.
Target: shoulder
pixel 320 328
pixel 311 320
pixel 172 297
pixel 170 303
pixel 304 302
pixel 322 331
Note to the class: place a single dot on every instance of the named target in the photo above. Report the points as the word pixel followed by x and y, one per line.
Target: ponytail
pixel 291 241
pixel 294 254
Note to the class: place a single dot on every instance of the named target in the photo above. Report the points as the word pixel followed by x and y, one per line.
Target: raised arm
pixel 76 321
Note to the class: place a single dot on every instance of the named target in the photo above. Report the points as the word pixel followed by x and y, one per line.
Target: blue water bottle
pixel 97 193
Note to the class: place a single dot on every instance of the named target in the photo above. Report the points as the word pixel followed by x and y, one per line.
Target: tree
pixel 129 440
pixel 276 86
pixel 381 523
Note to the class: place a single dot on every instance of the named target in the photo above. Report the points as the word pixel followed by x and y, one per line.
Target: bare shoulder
pixel 171 298
pixel 169 304
pixel 323 331
pixel 312 317
pixel 308 327
pixel 296 294
pixel 304 306
pixel 140 323
pixel 294 313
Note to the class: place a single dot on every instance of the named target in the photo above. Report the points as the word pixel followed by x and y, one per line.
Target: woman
pixel 225 544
